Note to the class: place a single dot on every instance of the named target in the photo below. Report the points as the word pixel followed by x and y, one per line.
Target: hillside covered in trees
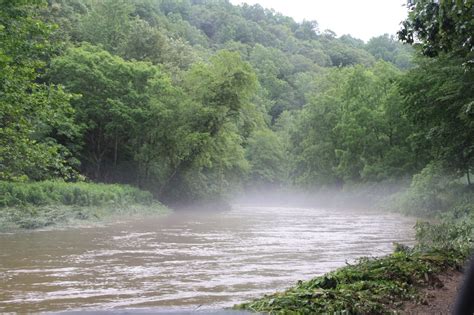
pixel 194 99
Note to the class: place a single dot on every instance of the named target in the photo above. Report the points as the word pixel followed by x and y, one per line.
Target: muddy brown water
pixel 187 260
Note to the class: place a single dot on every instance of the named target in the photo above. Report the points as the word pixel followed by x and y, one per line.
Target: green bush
pixel 434 192
pixel 454 232
pixel 34 205
pixel 15 194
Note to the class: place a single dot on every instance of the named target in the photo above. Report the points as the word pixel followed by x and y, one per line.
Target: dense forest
pixel 194 99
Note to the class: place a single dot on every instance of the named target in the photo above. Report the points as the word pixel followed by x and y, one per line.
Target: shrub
pixel 33 205
pixel 15 194
pixel 434 192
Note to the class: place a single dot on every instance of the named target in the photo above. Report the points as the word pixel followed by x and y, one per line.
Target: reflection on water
pixel 186 260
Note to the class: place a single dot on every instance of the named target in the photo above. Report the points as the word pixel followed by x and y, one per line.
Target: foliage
pixel 352 129
pixel 117 97
pixel 441 26
pixel 33 116
pixel 267 157
pixel 221 91
pixel 35 217
pixel 107 23
pixel 175 34
pixel 432 192
pixel 387 48
pixel 70 194
pixel 439 102
pixel 286 57
pixel 439 92
pixel 193 99
pixel 34 205
pixel 178 140
pixel 447 236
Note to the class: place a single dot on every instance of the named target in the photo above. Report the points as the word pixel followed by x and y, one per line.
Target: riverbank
pixel 407 280
pixel 35 205
pixel 372 286
pixel 438 300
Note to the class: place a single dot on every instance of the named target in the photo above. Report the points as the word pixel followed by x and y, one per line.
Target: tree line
pixel 192 99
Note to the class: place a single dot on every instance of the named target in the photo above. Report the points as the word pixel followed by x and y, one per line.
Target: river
pixel 187 260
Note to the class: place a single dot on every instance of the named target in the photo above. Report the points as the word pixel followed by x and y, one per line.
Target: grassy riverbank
pixel 39 204
pixel 380 285
pixel 372 286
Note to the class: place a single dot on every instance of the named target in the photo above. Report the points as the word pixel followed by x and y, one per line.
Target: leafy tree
pixel 267 157
pixel 212 158
pixel 145 43
pixel 115 98
pixel 273 68
pixel 344 55
pixel 66 14
pixel 191 145
pixel 439 92
pixel 108 23
pixel 183 7
pixel 385 47
pixel 354 42
pixel 307 30
pixel 352 129
pixel 30 112
pixel 313 141
pixel 440 102
pixel 441 26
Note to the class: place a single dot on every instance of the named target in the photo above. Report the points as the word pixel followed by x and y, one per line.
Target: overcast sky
pixel 360 18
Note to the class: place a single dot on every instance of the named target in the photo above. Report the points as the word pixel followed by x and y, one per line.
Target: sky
pixel 362 19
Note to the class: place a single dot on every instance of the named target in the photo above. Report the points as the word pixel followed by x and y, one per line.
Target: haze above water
pixel 187 260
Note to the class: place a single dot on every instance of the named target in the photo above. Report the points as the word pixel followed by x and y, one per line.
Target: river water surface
pixel 187 260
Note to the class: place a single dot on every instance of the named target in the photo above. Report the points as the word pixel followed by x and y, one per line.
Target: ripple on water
pixel 187 259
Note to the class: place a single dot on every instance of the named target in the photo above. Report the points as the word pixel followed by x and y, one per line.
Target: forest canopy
pixel 194 99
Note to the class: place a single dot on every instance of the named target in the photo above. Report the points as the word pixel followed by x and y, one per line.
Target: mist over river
pixel 187 260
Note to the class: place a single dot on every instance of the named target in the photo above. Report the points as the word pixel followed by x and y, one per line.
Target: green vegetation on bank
pixel 176 97
pixel 196 99
pixel 39 204
pixel 378 285
pixel 435 193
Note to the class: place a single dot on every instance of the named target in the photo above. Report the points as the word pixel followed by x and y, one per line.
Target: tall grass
pixel 13 194
pixel 34 205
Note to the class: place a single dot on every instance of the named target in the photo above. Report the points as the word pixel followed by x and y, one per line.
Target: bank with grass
pixel 31 205
pixel 382 285
pixel 374 285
